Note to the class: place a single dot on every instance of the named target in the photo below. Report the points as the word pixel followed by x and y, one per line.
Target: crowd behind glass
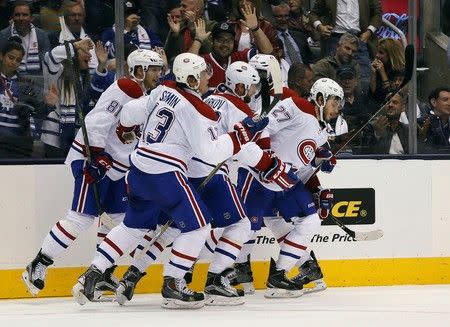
pixel 38 114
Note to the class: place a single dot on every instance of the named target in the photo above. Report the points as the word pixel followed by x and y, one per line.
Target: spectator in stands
pixel 389 62
pixel 295 44
pixel 222 53
pixel 154 15
pixel 361 18
pixel 134 32
pixel 49 14
pixel 99 16
pixel 284 65
pixel 74 19
pixel 5 13
pixel 217 10
pixel 390 136
pixel 182 34
pixel 434 128
pixel 34 40
pixel 61 125
pixel 246 30
pixel 301 79
pixel 355 110
pixel 345 52
pixel 15 136
pixel 299 21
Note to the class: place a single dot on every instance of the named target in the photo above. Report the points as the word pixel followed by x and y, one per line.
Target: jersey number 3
pixel 159 133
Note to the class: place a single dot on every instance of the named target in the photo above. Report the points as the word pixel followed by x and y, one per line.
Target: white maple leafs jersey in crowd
pixel 174 131
pixel 101 123
pixel 295 134
pixel 229 114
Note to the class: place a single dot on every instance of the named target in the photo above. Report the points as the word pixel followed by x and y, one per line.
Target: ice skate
pixel 218 290
pixel 310 272
pixel 279 286
pixel 244 276
pixel 127 284
pixel 84 289
pixel 35 273
pixel 109 282
pixel 176 295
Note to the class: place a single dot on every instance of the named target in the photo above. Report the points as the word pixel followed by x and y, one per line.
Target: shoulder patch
pixel 130 87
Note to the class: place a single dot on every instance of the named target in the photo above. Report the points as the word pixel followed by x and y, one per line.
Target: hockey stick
pixel 103 217
pixel 409 66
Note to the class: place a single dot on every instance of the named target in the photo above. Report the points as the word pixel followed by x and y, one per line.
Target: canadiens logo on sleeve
pixel 306 151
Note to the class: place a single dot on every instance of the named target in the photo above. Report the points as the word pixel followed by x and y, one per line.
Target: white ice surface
pixel 424 306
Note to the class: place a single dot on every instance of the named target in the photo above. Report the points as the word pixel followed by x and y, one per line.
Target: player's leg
pixel 65 231
pixel 141 215
pixel 297 204
pixel 141 261
pixel 309 269
pixel 258 203
pixel 192 217
pixel 228 213
pixel 114 203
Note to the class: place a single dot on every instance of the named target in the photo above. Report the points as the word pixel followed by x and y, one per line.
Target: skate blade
pixel 217 300
pixel 77 294
pixel 104 299
pixel 31 288
pixel 248 288
pixel 319 286
pixel 279 293
pixel 120 298
pixel 178 304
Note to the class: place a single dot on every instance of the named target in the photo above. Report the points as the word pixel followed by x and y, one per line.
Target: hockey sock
pixel 211 242
pixel 117 242
pixel 155 250
pixel 185 251
pixel 297 241
pixel 230 245
pixel 279 227
pixel 103 230
pixel 65 232
pixel 247 248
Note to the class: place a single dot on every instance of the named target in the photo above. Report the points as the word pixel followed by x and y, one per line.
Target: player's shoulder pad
pixel 304 105
pixel 237 102
pixel 130 87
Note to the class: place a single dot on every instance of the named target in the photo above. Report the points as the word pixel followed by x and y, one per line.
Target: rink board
pixel 410 203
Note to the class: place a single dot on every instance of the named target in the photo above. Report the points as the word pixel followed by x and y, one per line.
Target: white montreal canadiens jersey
pixel 294 137
pixel 101 123
pixel 174 130
pixel 229 114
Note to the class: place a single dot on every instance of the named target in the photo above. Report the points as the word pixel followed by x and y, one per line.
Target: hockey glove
pixel 128 135
pixel 96 170
pixel 250 128
pixel 281 174
pixel 324 202
pixel 325 159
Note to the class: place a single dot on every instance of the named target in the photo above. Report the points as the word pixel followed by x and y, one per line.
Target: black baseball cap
pixel 130 8
pixel 222 28
pixel 346 71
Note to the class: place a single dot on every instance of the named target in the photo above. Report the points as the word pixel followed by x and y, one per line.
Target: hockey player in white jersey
pixel 297 136
pixel 107 168
pixel 178 125
pixel 219 194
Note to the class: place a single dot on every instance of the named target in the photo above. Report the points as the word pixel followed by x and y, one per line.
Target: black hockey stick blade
pixel 359 236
